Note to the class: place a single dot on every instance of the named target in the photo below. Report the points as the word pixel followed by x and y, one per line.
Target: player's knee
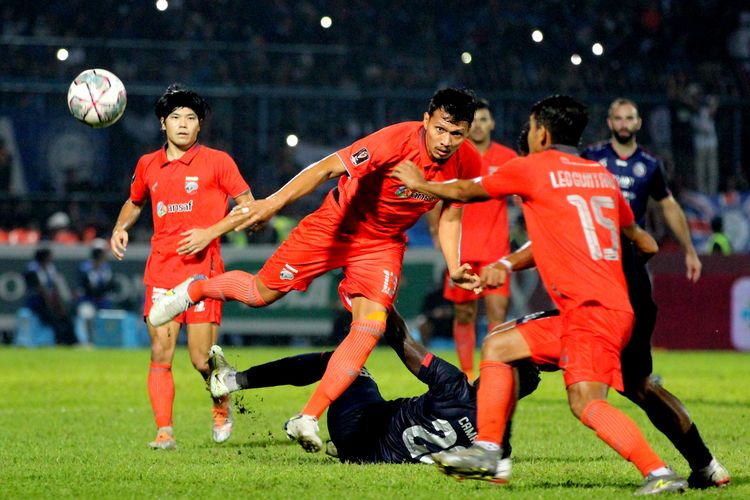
pixel 465 313
pixel 499 348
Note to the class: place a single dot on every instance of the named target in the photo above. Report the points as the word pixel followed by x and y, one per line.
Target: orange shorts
pixel 372 268
pixel 459 295
pixel 543 338
pixel 592 339
pixel 205 311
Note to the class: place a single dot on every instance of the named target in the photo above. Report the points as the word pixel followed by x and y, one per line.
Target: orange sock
pixel 495 400
pixel 161 393
pixel 618 431
pixel 464 335
pixel 232 285
pixel 345 363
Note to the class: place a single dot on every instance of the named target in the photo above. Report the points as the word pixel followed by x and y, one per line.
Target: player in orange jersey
pixel 484 239
pixel 189 185
pixel 574 212
pixel 360 227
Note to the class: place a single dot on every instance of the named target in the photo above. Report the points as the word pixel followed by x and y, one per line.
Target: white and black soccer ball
pixel 97 98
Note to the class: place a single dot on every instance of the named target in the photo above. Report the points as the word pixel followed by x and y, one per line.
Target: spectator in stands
pixel 96 287
pixel 47 294
pixel 718 243
pixel 705 139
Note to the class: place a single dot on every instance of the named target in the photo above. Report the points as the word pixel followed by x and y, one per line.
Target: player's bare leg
pixel 670 417
pixel 496 308
pixel 161 382
pixel 368 327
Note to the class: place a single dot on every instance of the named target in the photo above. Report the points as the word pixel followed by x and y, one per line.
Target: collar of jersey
pixel 564 148
pixel 186 158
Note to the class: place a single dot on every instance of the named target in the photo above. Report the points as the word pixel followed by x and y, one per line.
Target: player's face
pixel 624 123
pixel 481 127
pixel 182 126
pixel 443 138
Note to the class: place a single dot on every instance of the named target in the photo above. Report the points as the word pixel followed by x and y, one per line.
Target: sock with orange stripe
pixel 232 285
pixel 161 393
pixel 495 400
pixel 464 335
pixel 345 363
pixel 619 432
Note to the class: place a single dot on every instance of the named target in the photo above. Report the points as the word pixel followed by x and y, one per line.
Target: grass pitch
pixel 75 423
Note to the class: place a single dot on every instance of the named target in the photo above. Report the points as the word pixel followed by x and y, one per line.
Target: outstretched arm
pixel 407 348
pixel 497 273
pixel 456 190
pixel 258 212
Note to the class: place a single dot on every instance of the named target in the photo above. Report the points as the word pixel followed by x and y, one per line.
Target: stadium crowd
pixel 276 70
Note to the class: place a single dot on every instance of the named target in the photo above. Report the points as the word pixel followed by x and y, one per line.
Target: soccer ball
pixel 97 98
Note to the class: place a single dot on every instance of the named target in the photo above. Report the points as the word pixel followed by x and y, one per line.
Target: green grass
pixel 75 423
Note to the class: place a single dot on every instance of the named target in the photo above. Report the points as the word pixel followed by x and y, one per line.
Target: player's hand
pixel 194 241
pixel 464 277
pixel 693 265
pixel 408 173
pixel 493 276
pixel 253 214
pixel 119 243
pixel 645 244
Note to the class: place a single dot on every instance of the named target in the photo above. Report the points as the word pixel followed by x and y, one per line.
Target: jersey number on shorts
pixel 416 437
pixel 589 229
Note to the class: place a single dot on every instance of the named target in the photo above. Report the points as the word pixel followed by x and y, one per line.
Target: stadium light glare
pixel 326 22
pixel 62 54
pixel 466 57
pixel 597 49
pixel 537 36
pixel 576 59
pixel 292 140
pixel 162 5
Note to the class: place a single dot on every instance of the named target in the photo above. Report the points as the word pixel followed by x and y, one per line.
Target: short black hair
pixel 459 103
pixel 483 103
pixel 179 96
pixel 563 116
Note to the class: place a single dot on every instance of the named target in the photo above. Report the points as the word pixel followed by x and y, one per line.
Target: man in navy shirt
pixel 366 428
pixel 641 176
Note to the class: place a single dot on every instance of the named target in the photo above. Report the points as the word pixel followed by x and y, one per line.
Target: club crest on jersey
pixel 639 169
pixel 360 157
pixel 191 185
pixel 288 273
pixel 405 192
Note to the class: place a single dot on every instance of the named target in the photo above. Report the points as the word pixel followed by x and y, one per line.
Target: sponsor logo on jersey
pixel 191 185
pixel 390 283
pixel 179 207
pixel 288 273
pixel 621 163
pixel 639 169
pixel 360 157
pixel 405 192
pixel 161 209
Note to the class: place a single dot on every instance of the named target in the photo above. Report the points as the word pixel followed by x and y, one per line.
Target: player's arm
pixel 643 241
pixel 258 212
pixel 449 236
pixel 677 222
pixel 497 273
pixel 411 352
pixel 433 218
pixel 129 214
pixel 196 239
pixel 462 190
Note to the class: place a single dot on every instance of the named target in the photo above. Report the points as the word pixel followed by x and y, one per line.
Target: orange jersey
pixel 484 226
pixel 573 210
pixel 190 192
pixel 370 204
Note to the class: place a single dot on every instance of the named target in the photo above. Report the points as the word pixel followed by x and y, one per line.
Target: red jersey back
pixel 484 227
pixel 190 192
pixel 373 205
pixel 574 210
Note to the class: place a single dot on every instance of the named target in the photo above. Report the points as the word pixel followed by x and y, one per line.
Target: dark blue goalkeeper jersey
pixel 640 176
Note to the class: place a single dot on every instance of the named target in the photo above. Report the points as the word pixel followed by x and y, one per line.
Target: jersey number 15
pixel 591 212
